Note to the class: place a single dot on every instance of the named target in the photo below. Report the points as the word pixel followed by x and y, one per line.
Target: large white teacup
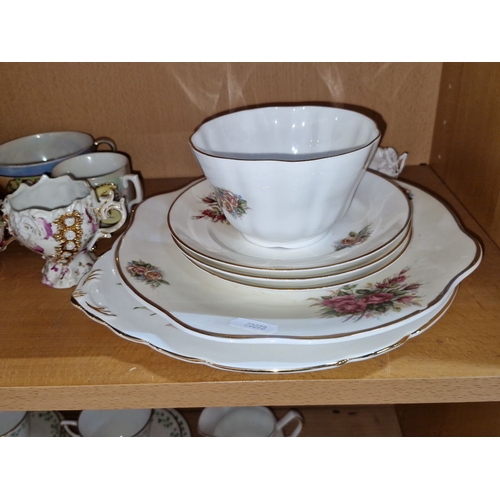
pixel 110 423
pixel 283 175
pixel 246 421
pixel 59 219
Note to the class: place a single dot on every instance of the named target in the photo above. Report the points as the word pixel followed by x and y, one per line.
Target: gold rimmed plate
pixel 374 225
pixel 441 254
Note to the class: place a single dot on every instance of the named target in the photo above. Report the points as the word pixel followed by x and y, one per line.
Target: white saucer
pixel 340 278
pixel 440 255
pixel 379 214
pixel 164 424
pixel 181 421
pixel 45 424
pixel 168 422
pixel 106 301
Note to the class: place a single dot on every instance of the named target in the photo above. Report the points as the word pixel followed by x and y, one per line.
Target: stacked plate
pixel 184 282
pixel 373 234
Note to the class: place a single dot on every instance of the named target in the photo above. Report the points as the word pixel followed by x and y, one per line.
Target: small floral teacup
pixel 59 219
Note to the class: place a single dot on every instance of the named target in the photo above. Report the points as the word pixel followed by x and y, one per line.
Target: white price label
pixel 254 325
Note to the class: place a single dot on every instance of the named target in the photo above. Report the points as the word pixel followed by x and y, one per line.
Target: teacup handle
pixel 139 196
pixel 289 417
pixel 105 140
pixel 66 424
pixel 103 212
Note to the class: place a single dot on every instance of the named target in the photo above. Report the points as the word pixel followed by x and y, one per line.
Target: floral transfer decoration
pixel 393 294
pixel 354 238
pixel 222 198
pixel 213 210
pixel 147 273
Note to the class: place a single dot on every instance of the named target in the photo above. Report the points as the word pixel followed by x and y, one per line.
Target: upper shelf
pixel 55 357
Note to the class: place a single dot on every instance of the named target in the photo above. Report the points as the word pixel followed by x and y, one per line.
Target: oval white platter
pixel 103 298
pixel 440 254
pixel 379 213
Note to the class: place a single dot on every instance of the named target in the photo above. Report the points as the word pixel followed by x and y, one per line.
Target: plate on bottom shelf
pixel 104 299
pixel 168 422
pixel 45 424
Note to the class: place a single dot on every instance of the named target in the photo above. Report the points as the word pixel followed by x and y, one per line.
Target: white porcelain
pixel 168 422
pixel 25 159
pixel 163 424
pixel 440 255
pixel 374 225
pixel 105 171
pixel 247 421
pixel 102 298
pixel 283 175
pixel 184 429
pixel 3 237
pixel 14 424
pixel 45 424
pixel 59 219
pixel 283 283
pixel 110 423
pixel 388 162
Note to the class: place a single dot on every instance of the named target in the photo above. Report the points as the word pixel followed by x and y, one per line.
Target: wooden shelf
pixel 53 357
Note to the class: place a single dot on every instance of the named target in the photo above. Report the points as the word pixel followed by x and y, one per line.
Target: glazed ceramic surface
pixel 376 223
pixel 284 175
pixel 104 171
pixel 441 254
pixel 14 424
pixel 168 422
pixel 24 160
pixel 247 421
pixel 59 219
pixel 342 278
pixel 110 423
pixel 103 298
pixel 45 424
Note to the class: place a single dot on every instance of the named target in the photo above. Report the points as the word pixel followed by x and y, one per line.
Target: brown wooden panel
pixel 466 149
pixel 450 420
pixel 151 109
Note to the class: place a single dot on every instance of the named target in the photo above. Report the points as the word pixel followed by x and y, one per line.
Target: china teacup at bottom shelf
pixel 110 423
pixel 249 421
pixel 14 424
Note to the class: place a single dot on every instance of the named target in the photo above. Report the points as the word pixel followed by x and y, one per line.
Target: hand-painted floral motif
pixel 232 203
pixel 146 273
pixel 351 302
pixel 354 238
pixel 213 212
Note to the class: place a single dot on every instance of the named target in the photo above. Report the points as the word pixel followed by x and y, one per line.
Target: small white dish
pixel 440 255
pixel 45 424
pixel 373 226
pixel 106 301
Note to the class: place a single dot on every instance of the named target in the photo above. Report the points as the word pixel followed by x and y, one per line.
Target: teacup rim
pixel 287 160
pixel 46 179
pixel 49 160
